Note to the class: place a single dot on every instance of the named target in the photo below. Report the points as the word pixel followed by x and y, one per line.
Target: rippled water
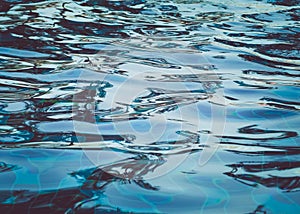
pixel 142 106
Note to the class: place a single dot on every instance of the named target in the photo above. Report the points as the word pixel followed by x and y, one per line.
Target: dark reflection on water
pixel 86 197
pixel 144 106
pixel 285 183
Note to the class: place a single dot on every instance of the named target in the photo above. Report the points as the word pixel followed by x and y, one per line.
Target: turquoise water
pixel 184 106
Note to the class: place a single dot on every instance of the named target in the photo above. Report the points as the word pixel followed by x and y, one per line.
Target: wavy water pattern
pixel 142 106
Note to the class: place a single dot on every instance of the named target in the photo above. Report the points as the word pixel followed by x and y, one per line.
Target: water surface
pixel 183 106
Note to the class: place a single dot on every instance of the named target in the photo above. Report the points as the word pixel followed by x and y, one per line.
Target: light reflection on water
pixel 149 106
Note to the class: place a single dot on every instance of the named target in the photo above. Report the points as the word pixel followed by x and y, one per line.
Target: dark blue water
pixel 141 106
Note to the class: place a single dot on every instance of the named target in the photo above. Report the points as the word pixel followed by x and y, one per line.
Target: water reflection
pixel 153 80
pixel 4 167
pixel 262 173
pixel 87 196
pixel 281 172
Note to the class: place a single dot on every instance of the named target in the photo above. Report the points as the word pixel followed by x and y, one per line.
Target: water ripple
pixel 153 88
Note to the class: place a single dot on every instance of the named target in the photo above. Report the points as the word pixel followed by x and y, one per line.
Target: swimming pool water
pixel 142 106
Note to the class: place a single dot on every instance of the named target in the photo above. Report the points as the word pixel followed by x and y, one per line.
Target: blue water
pixel 183 106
